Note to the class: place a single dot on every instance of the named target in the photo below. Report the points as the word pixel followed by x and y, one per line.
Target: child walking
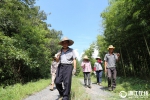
pixel 86 66
pixel 53 69
pixel 99 70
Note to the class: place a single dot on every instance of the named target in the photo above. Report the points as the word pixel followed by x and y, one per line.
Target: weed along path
pixel 95 93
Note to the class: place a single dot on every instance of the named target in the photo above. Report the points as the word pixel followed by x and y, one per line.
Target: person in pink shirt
pixel 86 66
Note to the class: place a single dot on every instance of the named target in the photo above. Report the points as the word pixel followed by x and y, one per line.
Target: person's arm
pixel 105 66
pixel 91 67
pixel 118 56
pixel 95 66
pixel 105 63
pixel 74 64
pixel 83 64
pixel 51 69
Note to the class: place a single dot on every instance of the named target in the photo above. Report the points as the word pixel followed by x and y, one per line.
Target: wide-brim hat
pixel 98 58
pixel 66 39
pixel 86 57
pixel 111 46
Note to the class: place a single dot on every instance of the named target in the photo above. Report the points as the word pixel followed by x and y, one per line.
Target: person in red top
pixel 99 70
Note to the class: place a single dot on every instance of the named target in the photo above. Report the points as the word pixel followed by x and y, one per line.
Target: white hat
pixel 111 46
pixel 85 57
pixel 98 57
pixel 66 39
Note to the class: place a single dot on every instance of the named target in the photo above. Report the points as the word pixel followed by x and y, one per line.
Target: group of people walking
pixel 87 69
pixel 64 66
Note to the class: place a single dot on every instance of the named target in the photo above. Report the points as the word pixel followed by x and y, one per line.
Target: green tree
pixel 27 44
pixel 126 27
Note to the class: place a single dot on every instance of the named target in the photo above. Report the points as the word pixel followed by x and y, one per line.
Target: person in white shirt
pixel 99 70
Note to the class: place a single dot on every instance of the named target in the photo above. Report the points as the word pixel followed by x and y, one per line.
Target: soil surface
pixel 96 93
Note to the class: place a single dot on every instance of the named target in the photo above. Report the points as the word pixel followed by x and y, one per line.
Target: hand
pixel 105 70
pixel 53 73
pixel 118 54
pixel 58 54
pixel 73 71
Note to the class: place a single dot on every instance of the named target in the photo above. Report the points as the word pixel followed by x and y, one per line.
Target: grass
pixel 19 91
pixel 127 85
pixel 78 91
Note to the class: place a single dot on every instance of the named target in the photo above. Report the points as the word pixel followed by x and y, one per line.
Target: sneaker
pixel 51 88
pixel 89 86
pixel 60 97
pixel 113 88
pixel 85 86
pixel 109 88
pixel 100 84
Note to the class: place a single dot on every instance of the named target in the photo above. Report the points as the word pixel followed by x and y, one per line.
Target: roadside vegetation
pixel 20 91
pixel 78 91
pixel 127 84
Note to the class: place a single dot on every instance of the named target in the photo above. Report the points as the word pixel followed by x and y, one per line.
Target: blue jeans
pixel 99 76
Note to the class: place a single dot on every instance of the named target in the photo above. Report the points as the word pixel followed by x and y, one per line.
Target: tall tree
pixel 27 44
pixel 126 27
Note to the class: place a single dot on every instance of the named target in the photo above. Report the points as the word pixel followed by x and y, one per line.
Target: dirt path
pixel 96 93
pixel 45 94
pixel 99 92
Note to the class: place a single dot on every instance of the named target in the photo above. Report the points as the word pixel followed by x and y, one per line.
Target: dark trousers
pixel 87 78
pixel 64 74
pixel 112 73
pixel 99 76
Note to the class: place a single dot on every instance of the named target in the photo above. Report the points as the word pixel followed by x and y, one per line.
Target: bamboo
pixel 146 44
pixel 122 62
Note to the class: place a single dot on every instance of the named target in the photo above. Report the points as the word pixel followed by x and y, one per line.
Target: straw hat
pixel 111 46
pixel 98 57
pixel 66 39
pixel 86 57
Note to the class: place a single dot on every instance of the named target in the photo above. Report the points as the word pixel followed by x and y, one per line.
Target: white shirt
pixel 98 66
pixel 67 57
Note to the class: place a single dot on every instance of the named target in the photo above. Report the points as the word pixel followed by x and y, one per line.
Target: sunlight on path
pixel 99 92
pixel 45 94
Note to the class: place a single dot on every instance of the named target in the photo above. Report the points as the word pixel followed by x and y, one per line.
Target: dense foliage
pixel 126 24
pixel 26 42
